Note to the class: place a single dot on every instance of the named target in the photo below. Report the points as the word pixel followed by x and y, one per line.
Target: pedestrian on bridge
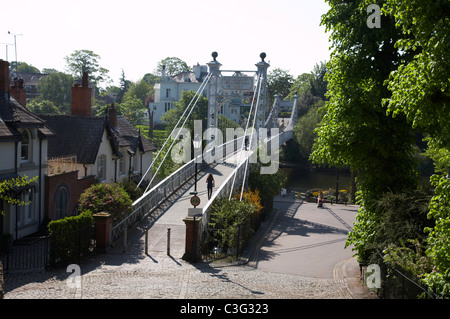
pixel 210 182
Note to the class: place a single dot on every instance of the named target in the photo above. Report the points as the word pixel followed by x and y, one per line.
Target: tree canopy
pixel 80 61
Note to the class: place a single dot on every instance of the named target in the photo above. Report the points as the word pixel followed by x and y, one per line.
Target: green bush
pixel 71 238
pixel 110 198
pixel 231 220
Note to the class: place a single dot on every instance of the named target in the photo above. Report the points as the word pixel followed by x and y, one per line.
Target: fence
pixel 26 254
pixel 38 253
pixel 211 248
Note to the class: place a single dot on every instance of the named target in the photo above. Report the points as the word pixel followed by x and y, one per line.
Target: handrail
pixel 151 200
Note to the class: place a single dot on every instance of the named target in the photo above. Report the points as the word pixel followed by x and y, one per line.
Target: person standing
pixel 210 184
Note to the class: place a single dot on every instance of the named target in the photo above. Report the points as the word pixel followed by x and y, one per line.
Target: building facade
pixel 23 148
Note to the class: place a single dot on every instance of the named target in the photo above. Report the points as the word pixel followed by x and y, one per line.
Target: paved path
pixel 136 275
pixel 306 240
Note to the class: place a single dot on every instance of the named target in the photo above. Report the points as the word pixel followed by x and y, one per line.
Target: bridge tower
pixel 213 104
pixel 262 72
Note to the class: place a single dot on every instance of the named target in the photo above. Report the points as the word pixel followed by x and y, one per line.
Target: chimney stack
pixel 82 97
pixel 18 91
pixel 4 76
pixel 112 115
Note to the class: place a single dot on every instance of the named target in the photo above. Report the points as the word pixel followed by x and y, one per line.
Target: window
pixel 167 92
pixel 101 168
pixel 26 146
pixel 61 200
pixel 122 166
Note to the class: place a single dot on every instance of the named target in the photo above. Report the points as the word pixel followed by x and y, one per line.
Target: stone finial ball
pixel 214 55
pixel 262 56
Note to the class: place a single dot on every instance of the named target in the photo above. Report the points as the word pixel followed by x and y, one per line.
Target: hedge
pixel 71 238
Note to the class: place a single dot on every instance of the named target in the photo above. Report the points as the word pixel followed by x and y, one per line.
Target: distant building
pixel 169 90
pixel 30 82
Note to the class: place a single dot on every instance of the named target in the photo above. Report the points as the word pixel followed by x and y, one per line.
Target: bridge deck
pixel 176 209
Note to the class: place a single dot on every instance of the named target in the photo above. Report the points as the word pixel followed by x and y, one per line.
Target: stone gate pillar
pixel 103 230
pixel 192 248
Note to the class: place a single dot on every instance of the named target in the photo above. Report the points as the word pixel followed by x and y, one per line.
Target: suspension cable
pixel 257 89
pixel 251 139
pixel 198 93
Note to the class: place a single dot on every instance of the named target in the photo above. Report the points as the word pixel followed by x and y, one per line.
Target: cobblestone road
pixel 132 276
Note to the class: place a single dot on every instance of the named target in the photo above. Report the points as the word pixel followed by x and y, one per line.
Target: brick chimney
pixel 4 76
pixel 112 116
pixel 18 91
pixel 82 97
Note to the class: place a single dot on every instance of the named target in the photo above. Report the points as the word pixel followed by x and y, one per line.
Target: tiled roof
pixel 81 136
pixel 14 115
pixel 75 135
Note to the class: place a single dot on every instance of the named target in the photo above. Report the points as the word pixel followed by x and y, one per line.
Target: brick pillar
pixel 103 230
pixel 82 97
pixel 192 249
pixel 19 92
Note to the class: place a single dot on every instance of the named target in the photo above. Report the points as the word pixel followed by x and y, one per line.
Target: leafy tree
pixel 87 61
pixel 57 88
pixel 38 106
pixel 279 82
pixel 173 66
pixel 420 92
pixel 132 109
pixel 355 129
pixel 304 131
pixel 27 68
pixel 200 112
pixel 420 86
pixel 124 85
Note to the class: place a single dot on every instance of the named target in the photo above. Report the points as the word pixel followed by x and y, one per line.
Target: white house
pixel 23 152
pixel 169 90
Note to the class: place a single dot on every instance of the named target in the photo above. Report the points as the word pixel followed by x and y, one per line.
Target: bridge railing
pixel 223 191
pixel 151 200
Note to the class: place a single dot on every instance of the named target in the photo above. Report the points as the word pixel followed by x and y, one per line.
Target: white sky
pixel 134 35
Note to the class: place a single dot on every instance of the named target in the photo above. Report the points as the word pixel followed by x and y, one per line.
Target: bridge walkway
pixel 173 211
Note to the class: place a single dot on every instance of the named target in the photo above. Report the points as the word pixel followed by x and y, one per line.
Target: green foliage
pixel 420 86
pixel 279 82
pixel 356 131
pixel 87 61
pixel 130 188
pixel 38 106
pixel 268 185
pixel 70 238
pixel 439 236
pixel 110 198
pixel 8 186
pixel 173 66
pixel 229 217
pixel 304 131
pixel 56 88
pixel 199 113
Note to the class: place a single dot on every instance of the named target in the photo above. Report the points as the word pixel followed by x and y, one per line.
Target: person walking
pixel 210 184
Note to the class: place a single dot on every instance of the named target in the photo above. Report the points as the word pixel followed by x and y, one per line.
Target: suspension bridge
pixel 168 205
